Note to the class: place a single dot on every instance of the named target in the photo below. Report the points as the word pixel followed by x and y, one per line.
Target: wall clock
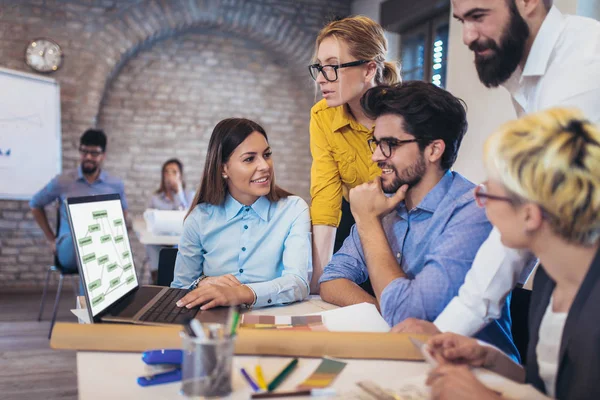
pixel 43 55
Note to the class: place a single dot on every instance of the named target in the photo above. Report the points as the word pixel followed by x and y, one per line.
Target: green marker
pixel 232 320
pixel 282 375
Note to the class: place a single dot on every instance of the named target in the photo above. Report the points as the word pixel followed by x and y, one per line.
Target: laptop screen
pixel 103 250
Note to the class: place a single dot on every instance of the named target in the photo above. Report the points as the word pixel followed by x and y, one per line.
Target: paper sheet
pixel 164 222
pixel 415 388
pixel 82 315
pixel 362 317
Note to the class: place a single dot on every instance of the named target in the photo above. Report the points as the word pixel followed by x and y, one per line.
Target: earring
pixel 224 176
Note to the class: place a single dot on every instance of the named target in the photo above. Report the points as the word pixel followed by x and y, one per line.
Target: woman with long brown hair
pixel 245 240
pixel 349 60
pixel 171 195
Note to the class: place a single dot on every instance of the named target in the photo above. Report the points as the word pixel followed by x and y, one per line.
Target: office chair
pixel 519 312
pixel 56 266
pixel 166 265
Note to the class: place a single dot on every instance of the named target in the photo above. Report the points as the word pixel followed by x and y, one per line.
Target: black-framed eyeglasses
pixel 387 146
pixel 482 196
pixel 330 72
pixel 93 153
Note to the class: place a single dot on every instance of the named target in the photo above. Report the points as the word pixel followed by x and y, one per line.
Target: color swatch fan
pixel 301 323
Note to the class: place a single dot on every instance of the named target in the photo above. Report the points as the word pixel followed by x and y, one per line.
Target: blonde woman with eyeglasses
pixel 543 195
pixel 349 59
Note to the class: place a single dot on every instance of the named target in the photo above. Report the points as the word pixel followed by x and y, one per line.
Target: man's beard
pixel 90 168
pixel 496 68
pixel 411 176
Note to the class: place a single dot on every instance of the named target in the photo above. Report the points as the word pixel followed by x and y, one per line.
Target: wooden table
pixel 113 375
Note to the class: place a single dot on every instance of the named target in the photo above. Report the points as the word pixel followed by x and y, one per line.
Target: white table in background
pixel 103 375
pixel 147 237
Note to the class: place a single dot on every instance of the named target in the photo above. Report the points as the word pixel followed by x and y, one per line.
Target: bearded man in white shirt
pixel 544 59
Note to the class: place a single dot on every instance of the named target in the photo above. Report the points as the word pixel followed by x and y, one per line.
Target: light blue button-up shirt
pixel 434 244
pixel 181 201
pixel 266 246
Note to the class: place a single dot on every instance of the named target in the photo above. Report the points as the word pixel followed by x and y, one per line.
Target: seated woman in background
pixel 245 240
pixel 543 194
pixel 171 195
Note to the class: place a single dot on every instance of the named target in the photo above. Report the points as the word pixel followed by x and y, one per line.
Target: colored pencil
pixel 234 321
pixel 295 393
pixel 282 375
pixel 260 378
pixel 253 385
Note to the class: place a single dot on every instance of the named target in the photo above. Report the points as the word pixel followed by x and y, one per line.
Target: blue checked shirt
pixel 266 246
pixel 435 244
pixel 73 184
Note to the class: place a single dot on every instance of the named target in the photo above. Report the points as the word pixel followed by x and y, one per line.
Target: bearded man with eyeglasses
pixel 417 225
pixel 88 179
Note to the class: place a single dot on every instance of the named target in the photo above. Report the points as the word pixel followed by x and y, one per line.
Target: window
pixel 424 51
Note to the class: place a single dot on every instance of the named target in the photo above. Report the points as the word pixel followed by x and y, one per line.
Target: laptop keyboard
pixel 166 311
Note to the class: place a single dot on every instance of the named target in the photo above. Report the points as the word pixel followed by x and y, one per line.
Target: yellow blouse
pixel 341 160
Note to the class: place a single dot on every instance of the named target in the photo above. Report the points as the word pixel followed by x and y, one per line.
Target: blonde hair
pixel 366 41
pixel 552 158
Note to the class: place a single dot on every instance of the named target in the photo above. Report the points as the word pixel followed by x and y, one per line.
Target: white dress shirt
pixel 562 69
pixel 548 347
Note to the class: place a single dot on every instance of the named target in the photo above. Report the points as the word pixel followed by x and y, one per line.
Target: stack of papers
pixel 164 222
pixel 362 317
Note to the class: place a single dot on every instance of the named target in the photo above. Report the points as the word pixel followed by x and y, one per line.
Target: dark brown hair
pixel 428 113
pixel 163 188
pixel 225 138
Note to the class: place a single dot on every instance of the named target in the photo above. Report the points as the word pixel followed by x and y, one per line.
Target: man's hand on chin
pixel 368 201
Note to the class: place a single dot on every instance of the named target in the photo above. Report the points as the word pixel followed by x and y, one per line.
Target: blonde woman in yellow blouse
pixel 349 60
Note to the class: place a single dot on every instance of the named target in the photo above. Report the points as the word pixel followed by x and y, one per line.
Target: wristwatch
pixel 195 284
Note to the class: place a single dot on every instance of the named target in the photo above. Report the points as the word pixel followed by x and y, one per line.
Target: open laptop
pixel 105 262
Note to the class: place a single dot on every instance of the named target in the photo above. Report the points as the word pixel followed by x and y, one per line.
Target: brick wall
pixel 146 72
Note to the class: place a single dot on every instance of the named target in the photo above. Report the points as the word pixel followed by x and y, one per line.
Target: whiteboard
pixel 30 134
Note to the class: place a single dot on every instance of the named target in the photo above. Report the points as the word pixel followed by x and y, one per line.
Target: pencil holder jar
pixel 207 363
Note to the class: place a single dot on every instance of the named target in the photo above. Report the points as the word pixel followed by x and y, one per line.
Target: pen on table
pixel 197 328
pixel 425 352
pixel 295 393
pixel 376 391
pixel 187 329
pixel 282 375
pixel 232 322
pixel 253 385
pixel 260 378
